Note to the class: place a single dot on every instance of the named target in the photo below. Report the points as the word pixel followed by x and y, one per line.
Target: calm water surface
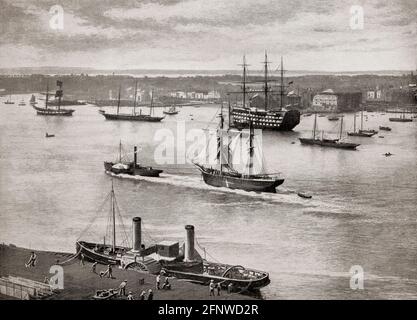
pixel 363 210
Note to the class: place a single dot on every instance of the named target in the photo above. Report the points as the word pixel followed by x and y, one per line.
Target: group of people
pixel 166 285
pixel 214 287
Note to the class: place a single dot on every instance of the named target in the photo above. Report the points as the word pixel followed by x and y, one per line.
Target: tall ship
pixel 269 118
pixel 133 116
pixel 325 142
pixel 361 132
pixel 53 111
pixel 401 118
pixel 223 174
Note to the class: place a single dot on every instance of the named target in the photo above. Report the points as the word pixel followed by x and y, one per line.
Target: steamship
pixel 132 168
pixel 181 262
pixel 268 119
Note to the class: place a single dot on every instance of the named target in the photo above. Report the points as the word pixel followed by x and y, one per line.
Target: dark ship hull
pixel 384 128
pixel 329 143
pixel 400 120
pixel 100 253
pixel 363 133
pixel 53 112
pixel 261 119
pixel 203 272
pixel 257 183
pixel 128 117
pixel 133 170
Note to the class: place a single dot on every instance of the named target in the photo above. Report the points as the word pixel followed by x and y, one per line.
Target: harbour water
pixel 363 210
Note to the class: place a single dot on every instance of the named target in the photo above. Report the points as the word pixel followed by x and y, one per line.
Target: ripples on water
pixel 362 212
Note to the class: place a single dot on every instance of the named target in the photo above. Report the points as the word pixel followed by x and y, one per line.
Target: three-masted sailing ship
pixel 53 111
pixel 401 118
pixel 227 176
pixel 134 116
pixel 361 132
pixel 267 118
pixel 325 142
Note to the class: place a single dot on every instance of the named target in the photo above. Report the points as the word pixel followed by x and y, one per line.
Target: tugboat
pixel 361 132
pixel 171 111
pixel 189 265
pixel 226 176
pixel 132 168
pixel 134 116
pixel 333 143
pixel 58 111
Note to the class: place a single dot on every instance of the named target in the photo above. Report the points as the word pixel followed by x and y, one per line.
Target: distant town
pixel 324 93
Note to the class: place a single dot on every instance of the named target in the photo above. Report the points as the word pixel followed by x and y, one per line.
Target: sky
pixel 209 34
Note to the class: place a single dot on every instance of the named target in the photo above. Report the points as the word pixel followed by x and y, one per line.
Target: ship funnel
pixel 135 155
pixel 137 233
pixel 189 243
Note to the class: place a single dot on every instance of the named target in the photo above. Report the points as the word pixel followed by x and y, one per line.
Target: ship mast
pixel 244 65
pixel 120 151
pixel 354 122
pixel 47 95
pixel 314 126
pixel 251 147
pixel 151 107
pixel 134 102
pixel 59 93
pixel 220 139
pixel 118 101
pixel 266 89
pixel 282 84
pixel 341 128
pixel 113 217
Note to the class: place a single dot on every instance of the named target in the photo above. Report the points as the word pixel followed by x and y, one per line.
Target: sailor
pixel 158 281
pixel 150 294
pixel 211 287
pixel 142 295
pixel 110 271
pixel 122 288
pixel 166 284
pixel 218 289
pixel 230 288
pixel 130 296
pixel 32 260
pixel 93 267
pixel 82 259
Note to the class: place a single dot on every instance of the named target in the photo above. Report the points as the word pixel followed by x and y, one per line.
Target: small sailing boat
pixel 56 111
pixel 22 103
pixel 49 135
pixel 171 111
pixel 401 118
pixel 9 100
pixel 323 142
pixel 227 176
pixel 33 99
pixel 361 132
pixel 134 116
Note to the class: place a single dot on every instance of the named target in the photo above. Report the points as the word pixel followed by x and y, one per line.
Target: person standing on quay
pixel 158 281
pixel 150 294
pixel 142 295
pixel 211 288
